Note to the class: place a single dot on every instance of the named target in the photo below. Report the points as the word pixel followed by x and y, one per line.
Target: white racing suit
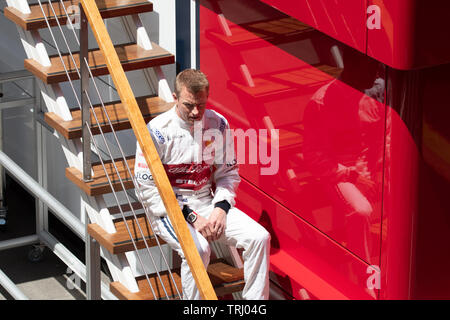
pixel 198 158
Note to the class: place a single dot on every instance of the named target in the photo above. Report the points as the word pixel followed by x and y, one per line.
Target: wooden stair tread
pixel 120 241
pixel 225 279
pixel 286 82
pixel 150 107
pixel 100 185
pixel 108 9
pixel 258 34
pixel 220 272
pixel 125 208
pixel 216 270
pixel 145 293
pixel 131 56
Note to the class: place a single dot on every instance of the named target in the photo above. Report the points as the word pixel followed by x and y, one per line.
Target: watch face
pixel 191 217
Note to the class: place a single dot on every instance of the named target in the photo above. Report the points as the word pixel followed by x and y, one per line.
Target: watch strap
pixel 224 205
pixel 186 210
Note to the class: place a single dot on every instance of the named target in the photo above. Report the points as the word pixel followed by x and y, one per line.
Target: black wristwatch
pixel 191 217
pixel 189 214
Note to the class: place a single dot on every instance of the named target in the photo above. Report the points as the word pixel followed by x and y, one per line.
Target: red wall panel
pixel 344 20
pixel 413 33
pixel 268 70
pixel 304 261
pixel 362 175
pixel 416 224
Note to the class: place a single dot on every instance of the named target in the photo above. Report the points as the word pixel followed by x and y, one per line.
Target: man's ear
pixel 174 95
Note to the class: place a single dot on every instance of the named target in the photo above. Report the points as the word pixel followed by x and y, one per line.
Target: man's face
pixel 191 107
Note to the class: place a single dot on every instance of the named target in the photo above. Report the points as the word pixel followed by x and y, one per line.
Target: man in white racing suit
pixel 198 155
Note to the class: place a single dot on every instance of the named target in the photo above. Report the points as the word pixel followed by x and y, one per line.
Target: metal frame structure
pixel 46 200
pixel 78 153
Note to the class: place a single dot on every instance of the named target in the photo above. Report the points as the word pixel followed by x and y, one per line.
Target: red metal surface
pixel 433 224
pixel 344 20
pixel 330 131
pixel 304 261
pixel 416 222
pixel 268 70
pixel 400 197
pixel 412 33
pixel 362 175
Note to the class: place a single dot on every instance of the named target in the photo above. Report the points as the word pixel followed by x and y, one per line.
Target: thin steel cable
pixel 65 69
pixel 59 51
pixel 76 38
pixel 70 21
pixel 122 153
pixel 128 199
pixel 146 209
pixel 118 143
pixel 51 45
pixel 72 27
pixel 136 185
pixel 99 78
pixel 118 203
pixel 64 37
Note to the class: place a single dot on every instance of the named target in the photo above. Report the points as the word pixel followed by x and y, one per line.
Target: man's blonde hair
pixel 193 80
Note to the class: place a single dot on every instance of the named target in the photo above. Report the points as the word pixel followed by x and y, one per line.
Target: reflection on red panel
pixel 269 70
pixel 305 262
pixel 344 20
pixel 362 151
pixel 404 34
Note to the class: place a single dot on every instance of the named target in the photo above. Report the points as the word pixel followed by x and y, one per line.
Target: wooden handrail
pixel 148 148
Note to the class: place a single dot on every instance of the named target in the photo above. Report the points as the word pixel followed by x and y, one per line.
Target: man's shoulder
pixel 215 119
pixel 158 126
pixel 210 113
pixel 162 119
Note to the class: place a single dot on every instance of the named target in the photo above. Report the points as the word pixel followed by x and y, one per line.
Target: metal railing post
pixel 93 279
pixel 3 210
pixel 92 249
pixel 144 139
pixel 85 109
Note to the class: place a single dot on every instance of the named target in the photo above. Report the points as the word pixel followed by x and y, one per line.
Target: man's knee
pixel 262 236
pixel 204 249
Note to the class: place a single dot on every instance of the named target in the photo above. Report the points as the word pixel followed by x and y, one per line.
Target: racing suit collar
pixel 181 122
